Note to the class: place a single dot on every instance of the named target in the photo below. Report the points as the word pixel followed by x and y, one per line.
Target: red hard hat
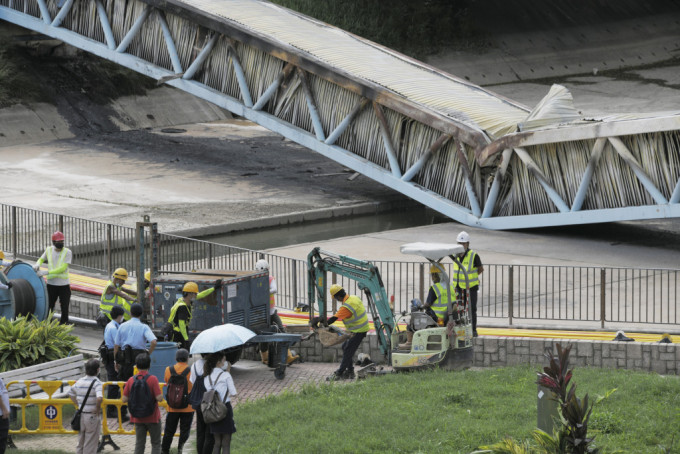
pixel 57 236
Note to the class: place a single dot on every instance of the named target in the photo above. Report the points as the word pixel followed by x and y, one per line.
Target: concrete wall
pixel 511 351
pixel 493 351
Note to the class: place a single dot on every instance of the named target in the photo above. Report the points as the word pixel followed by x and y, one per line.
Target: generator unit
pixel 243 299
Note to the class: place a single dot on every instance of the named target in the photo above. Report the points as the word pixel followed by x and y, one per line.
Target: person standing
pixel 110 332
pixel 353 315
pixel 131 340
pixel 115 295
pixel 436 306
pixel 263 265
pixel 222 382
pixel 180 314
pixel 90 419
pixel 472 263
pixel 183 416
pixel 58 260
pixel 204 439
pixel 4 417
pixel 150 424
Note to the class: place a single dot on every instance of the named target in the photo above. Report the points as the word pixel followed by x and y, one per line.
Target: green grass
pixel 448 412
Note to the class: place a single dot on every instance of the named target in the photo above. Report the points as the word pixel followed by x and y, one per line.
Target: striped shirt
pixel 4 395
pixel 79 389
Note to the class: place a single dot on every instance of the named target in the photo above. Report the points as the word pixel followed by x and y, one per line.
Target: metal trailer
pixel 242 300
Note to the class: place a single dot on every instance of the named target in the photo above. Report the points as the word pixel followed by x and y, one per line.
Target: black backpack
pixel 141 402
pixel 197 391
pixel 178 395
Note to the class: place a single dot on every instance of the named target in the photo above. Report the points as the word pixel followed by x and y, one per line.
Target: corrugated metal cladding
pixel 468 104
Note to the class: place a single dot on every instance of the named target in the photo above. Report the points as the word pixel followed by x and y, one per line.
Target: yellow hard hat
pixel 121 273
pixel 335 288
pixel 147 276
pixel 2 255
pixel 190 287
pixel 434 269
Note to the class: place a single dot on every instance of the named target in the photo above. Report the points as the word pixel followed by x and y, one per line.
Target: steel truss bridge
pixel 470 154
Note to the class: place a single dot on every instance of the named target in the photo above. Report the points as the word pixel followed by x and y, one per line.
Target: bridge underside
pixel 455 147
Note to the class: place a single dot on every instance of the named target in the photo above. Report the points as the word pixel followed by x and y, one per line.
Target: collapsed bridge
pixel 470 154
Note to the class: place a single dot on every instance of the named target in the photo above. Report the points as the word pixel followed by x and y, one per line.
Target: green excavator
pixel 431 344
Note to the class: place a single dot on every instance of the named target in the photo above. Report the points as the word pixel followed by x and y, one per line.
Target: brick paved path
pixel 253 381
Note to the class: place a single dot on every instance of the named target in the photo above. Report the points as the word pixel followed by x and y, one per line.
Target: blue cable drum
pixel 6 300
pixel 29 291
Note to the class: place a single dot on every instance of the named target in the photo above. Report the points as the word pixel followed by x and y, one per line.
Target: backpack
pixel 167 331
pixel 178 395
pixel 141 403
pixel 197 392
pixel 212 407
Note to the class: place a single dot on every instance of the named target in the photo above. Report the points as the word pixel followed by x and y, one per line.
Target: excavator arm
pixel 367 276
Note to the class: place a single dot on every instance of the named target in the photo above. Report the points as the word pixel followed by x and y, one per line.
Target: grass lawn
pixel 454 412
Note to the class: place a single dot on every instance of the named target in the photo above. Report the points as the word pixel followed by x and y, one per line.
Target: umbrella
pixel 221 337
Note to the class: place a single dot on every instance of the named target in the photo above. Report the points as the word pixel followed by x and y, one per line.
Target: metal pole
pixel 109 252
pixel 422 282
pixel 14 231
pixel 295 287
pixel 511 291
pixel 603 280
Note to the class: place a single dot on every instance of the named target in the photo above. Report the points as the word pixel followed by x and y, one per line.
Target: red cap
pixel 57 236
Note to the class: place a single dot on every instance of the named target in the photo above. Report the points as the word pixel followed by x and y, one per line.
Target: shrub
pixel 27 341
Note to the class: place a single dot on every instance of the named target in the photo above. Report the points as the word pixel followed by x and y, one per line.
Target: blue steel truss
pixel 468 192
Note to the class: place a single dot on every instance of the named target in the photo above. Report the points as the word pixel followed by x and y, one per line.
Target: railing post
pixel 14 232
pixel 61 223
pixel 210 256
pixel 603 294
pixel 295 287
pixel 334 280
pixel 511 291
pixel 421 291
pixel 109 250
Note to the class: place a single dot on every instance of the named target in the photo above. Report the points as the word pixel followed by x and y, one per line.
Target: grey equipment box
pixel 242 300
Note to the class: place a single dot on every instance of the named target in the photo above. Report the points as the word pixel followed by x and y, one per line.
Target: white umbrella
pixel 221 337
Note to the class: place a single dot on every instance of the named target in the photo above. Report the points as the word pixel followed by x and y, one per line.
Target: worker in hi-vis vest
pixel 180 314
pixel 473 265
pixel 115 294
pixel 353 314
pixel 58 259
pixel 263 265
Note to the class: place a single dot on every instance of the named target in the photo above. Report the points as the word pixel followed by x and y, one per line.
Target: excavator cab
pixel 448 347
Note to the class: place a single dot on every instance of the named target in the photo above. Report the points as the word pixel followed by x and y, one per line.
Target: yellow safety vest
pixel 180 302
pixel 60 261
pixel 107 304
pixel 441 305
pixel 358 322
pixel 468 264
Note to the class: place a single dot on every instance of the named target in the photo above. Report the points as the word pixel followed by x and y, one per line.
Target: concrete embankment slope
pixel 525 40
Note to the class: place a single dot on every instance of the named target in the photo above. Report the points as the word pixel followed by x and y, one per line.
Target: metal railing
pixel 511 292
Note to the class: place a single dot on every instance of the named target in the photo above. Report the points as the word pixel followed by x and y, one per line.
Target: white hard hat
pixel 261 265
pixel 463 237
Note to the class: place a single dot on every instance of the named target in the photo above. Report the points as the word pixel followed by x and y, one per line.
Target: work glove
pixel 315 322
pixel 9 284
pixel 43 273
pixel 36 267
pixel 218 284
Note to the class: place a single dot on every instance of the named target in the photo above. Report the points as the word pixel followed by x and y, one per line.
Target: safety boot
pixel 265 357
pixel 408 343
pixel 292 357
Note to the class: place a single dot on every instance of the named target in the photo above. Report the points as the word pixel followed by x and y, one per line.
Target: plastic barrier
pixel 51 419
